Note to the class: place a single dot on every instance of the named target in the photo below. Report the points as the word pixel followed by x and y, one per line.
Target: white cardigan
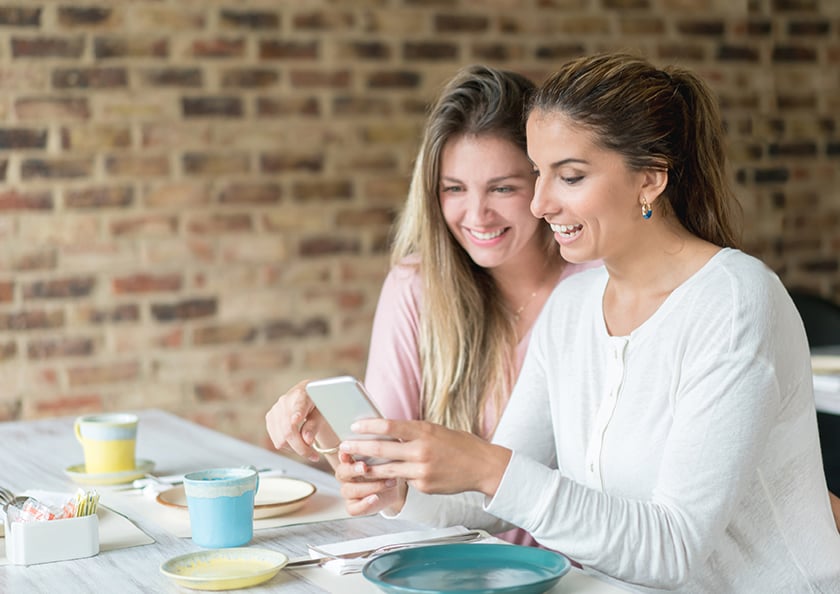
pixel 683 456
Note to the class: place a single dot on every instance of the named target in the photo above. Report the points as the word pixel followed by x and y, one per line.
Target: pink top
pixel 393 370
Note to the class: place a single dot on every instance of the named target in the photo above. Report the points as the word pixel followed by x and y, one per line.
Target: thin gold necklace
pixel 518 312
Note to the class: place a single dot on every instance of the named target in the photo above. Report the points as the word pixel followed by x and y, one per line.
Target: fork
pixel 469 536
pixel 6 496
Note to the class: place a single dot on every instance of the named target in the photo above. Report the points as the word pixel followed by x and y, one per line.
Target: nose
pixel 478 205
pixel 540 202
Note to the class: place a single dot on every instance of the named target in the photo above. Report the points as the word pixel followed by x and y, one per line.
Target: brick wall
pixel 196 195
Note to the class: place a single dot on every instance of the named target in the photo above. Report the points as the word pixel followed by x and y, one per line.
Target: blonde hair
pixel 467 335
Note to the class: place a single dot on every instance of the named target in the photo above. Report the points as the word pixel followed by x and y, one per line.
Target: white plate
pixel 224 569
pixel 78 475
pixel 276 496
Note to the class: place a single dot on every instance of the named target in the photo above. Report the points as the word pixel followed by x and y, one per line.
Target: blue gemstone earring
pixel 646 210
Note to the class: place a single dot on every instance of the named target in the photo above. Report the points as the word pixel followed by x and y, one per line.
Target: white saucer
pixel 78 475
pixel 276 496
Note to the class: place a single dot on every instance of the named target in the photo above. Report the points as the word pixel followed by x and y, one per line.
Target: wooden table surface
pixel 35 454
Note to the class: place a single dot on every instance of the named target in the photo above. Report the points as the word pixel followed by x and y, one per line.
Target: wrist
pixel 497 462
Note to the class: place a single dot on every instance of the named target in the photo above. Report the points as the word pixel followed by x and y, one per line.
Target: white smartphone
pixel 341 401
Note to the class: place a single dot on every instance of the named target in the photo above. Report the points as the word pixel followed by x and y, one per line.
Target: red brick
pixel 253 194
pixel 152 225
pixel 63 405
pixel 7 291
pixel 56 168
pixel 282 50
pixel 325 20
pixel 105 373
pixel 308 79
pixel 18 16
pixel 172 77
pixel 31 320
pixel 257 20
pixel 99 197
pixel 37 259
pixel 95 137
pixel 218 48
pixel 224 334
pixel 461 23
pixel 74 16
pixel 249 78
pixel 216 164
pixel 429 50
pixel 281 162
pixel 66 288
pixel 322 190
pixel 130 47
pixel 22 138
pixel 147 283
pixel 288 106
pixel 323 246
pixel 215 224
pixel 90 78
pixel 135 165
pixel 13 200
pixel 48 47
pixel 308 328
pixel 212 107
pixel 189 309
pixel 49 108
pixel 50 348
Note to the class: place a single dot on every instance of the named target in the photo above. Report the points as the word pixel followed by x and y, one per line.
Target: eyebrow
pixel 493 180
pixel 562 162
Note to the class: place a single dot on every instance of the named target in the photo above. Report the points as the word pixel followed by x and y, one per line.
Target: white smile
pixel 567 230
pixel 486 235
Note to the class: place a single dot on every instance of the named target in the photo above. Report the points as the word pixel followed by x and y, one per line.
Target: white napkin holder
pixel 29 543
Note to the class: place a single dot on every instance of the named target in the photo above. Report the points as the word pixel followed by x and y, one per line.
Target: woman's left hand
pixel 430 457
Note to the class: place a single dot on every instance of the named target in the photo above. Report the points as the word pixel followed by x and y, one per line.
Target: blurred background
pixel 196 195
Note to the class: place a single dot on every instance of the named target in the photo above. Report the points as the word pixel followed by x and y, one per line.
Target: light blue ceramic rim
pixel 543 558
pixel 108 426
pixel 220 482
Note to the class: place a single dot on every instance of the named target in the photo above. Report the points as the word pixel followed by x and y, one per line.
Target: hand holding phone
pixel 341 401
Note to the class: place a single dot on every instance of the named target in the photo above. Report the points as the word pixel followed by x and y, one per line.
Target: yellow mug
pixel 108 440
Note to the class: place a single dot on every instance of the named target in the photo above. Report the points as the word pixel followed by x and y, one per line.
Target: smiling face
pixel 486 186
pixel 586 193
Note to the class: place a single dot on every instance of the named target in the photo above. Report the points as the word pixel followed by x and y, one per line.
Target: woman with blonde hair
pixel 471 269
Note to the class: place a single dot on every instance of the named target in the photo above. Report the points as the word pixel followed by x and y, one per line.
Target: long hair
pixel 655 118
pixel 467 336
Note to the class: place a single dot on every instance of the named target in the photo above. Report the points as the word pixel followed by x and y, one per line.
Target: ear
pixel 654 182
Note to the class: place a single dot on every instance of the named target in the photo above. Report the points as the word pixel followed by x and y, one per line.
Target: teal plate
pixel 467 568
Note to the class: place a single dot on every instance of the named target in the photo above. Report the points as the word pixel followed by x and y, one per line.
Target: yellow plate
pixel 78 475
pixel 276 496
pixel 224 569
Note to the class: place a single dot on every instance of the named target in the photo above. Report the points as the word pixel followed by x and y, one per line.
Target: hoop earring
pixel 646 209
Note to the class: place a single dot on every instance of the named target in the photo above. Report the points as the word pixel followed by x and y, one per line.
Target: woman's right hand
pixel 294 422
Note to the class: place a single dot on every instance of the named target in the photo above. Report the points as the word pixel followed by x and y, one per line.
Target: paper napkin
pixel 344 566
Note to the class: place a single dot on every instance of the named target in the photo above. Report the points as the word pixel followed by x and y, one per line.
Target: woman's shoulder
pixel 404 277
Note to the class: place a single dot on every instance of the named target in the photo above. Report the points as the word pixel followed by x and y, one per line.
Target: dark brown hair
pixel 655 118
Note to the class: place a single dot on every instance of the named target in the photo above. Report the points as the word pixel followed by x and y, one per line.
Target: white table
pixel 36 452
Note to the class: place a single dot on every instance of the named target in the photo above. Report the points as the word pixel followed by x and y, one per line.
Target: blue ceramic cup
pixel 221 506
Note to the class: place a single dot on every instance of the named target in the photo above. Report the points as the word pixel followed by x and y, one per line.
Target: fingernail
pixel 343 446
pixel 391 483
pixel 307 436
pixel 359 467
pixel 314 457
pixel 371 499
pixel 354 427
pixel 296 416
